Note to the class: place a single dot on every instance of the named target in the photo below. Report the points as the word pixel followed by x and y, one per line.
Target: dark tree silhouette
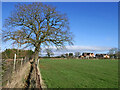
pixel 70 54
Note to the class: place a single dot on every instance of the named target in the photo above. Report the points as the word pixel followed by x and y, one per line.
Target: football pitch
pixel 76 73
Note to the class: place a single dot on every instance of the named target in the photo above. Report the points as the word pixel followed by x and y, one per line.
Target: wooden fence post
pixel 25 59
pixel 21 61
pixel 14 61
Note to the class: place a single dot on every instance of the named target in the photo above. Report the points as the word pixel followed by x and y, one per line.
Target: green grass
pixel 75 73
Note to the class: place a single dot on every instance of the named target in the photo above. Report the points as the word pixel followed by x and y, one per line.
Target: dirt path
pixel 33 79
pixel 29 78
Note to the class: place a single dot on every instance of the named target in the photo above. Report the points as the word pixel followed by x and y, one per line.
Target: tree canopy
pixel 37 24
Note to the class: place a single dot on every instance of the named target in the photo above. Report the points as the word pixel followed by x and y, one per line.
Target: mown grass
pixel 75 73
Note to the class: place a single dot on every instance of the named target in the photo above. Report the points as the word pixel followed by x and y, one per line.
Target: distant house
pixel 81 56
pixel 88 55
pixel 102 56
pixel 106 56
pixel 99 56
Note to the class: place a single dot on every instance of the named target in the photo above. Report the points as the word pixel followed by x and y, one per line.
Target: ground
pixel 75 73
pixel 18 78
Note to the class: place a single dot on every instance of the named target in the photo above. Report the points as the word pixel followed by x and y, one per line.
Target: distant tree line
pixel 9 53
pixel 70 55
pixel 114 53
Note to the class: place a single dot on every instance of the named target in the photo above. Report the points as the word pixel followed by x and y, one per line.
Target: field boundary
pixel 18 77
pixel 41 81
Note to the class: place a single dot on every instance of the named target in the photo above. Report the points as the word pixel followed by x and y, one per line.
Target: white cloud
pixel 94 49
pixel 83 48
pixel 88 48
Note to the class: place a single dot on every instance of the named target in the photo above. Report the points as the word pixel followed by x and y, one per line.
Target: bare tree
pixel 66 55
pixel 49 52
pixel 37 25
pixel 113 52
pixel 77 54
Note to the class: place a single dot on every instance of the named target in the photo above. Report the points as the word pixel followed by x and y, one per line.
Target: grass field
pixel 75 73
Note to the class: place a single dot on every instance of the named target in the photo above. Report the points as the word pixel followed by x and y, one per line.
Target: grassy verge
pixel 74 73
pixel 18 78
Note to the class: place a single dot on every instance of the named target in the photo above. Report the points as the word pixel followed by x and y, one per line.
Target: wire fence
pixel 10 67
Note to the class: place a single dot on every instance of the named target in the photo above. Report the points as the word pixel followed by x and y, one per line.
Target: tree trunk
pixel 36 54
